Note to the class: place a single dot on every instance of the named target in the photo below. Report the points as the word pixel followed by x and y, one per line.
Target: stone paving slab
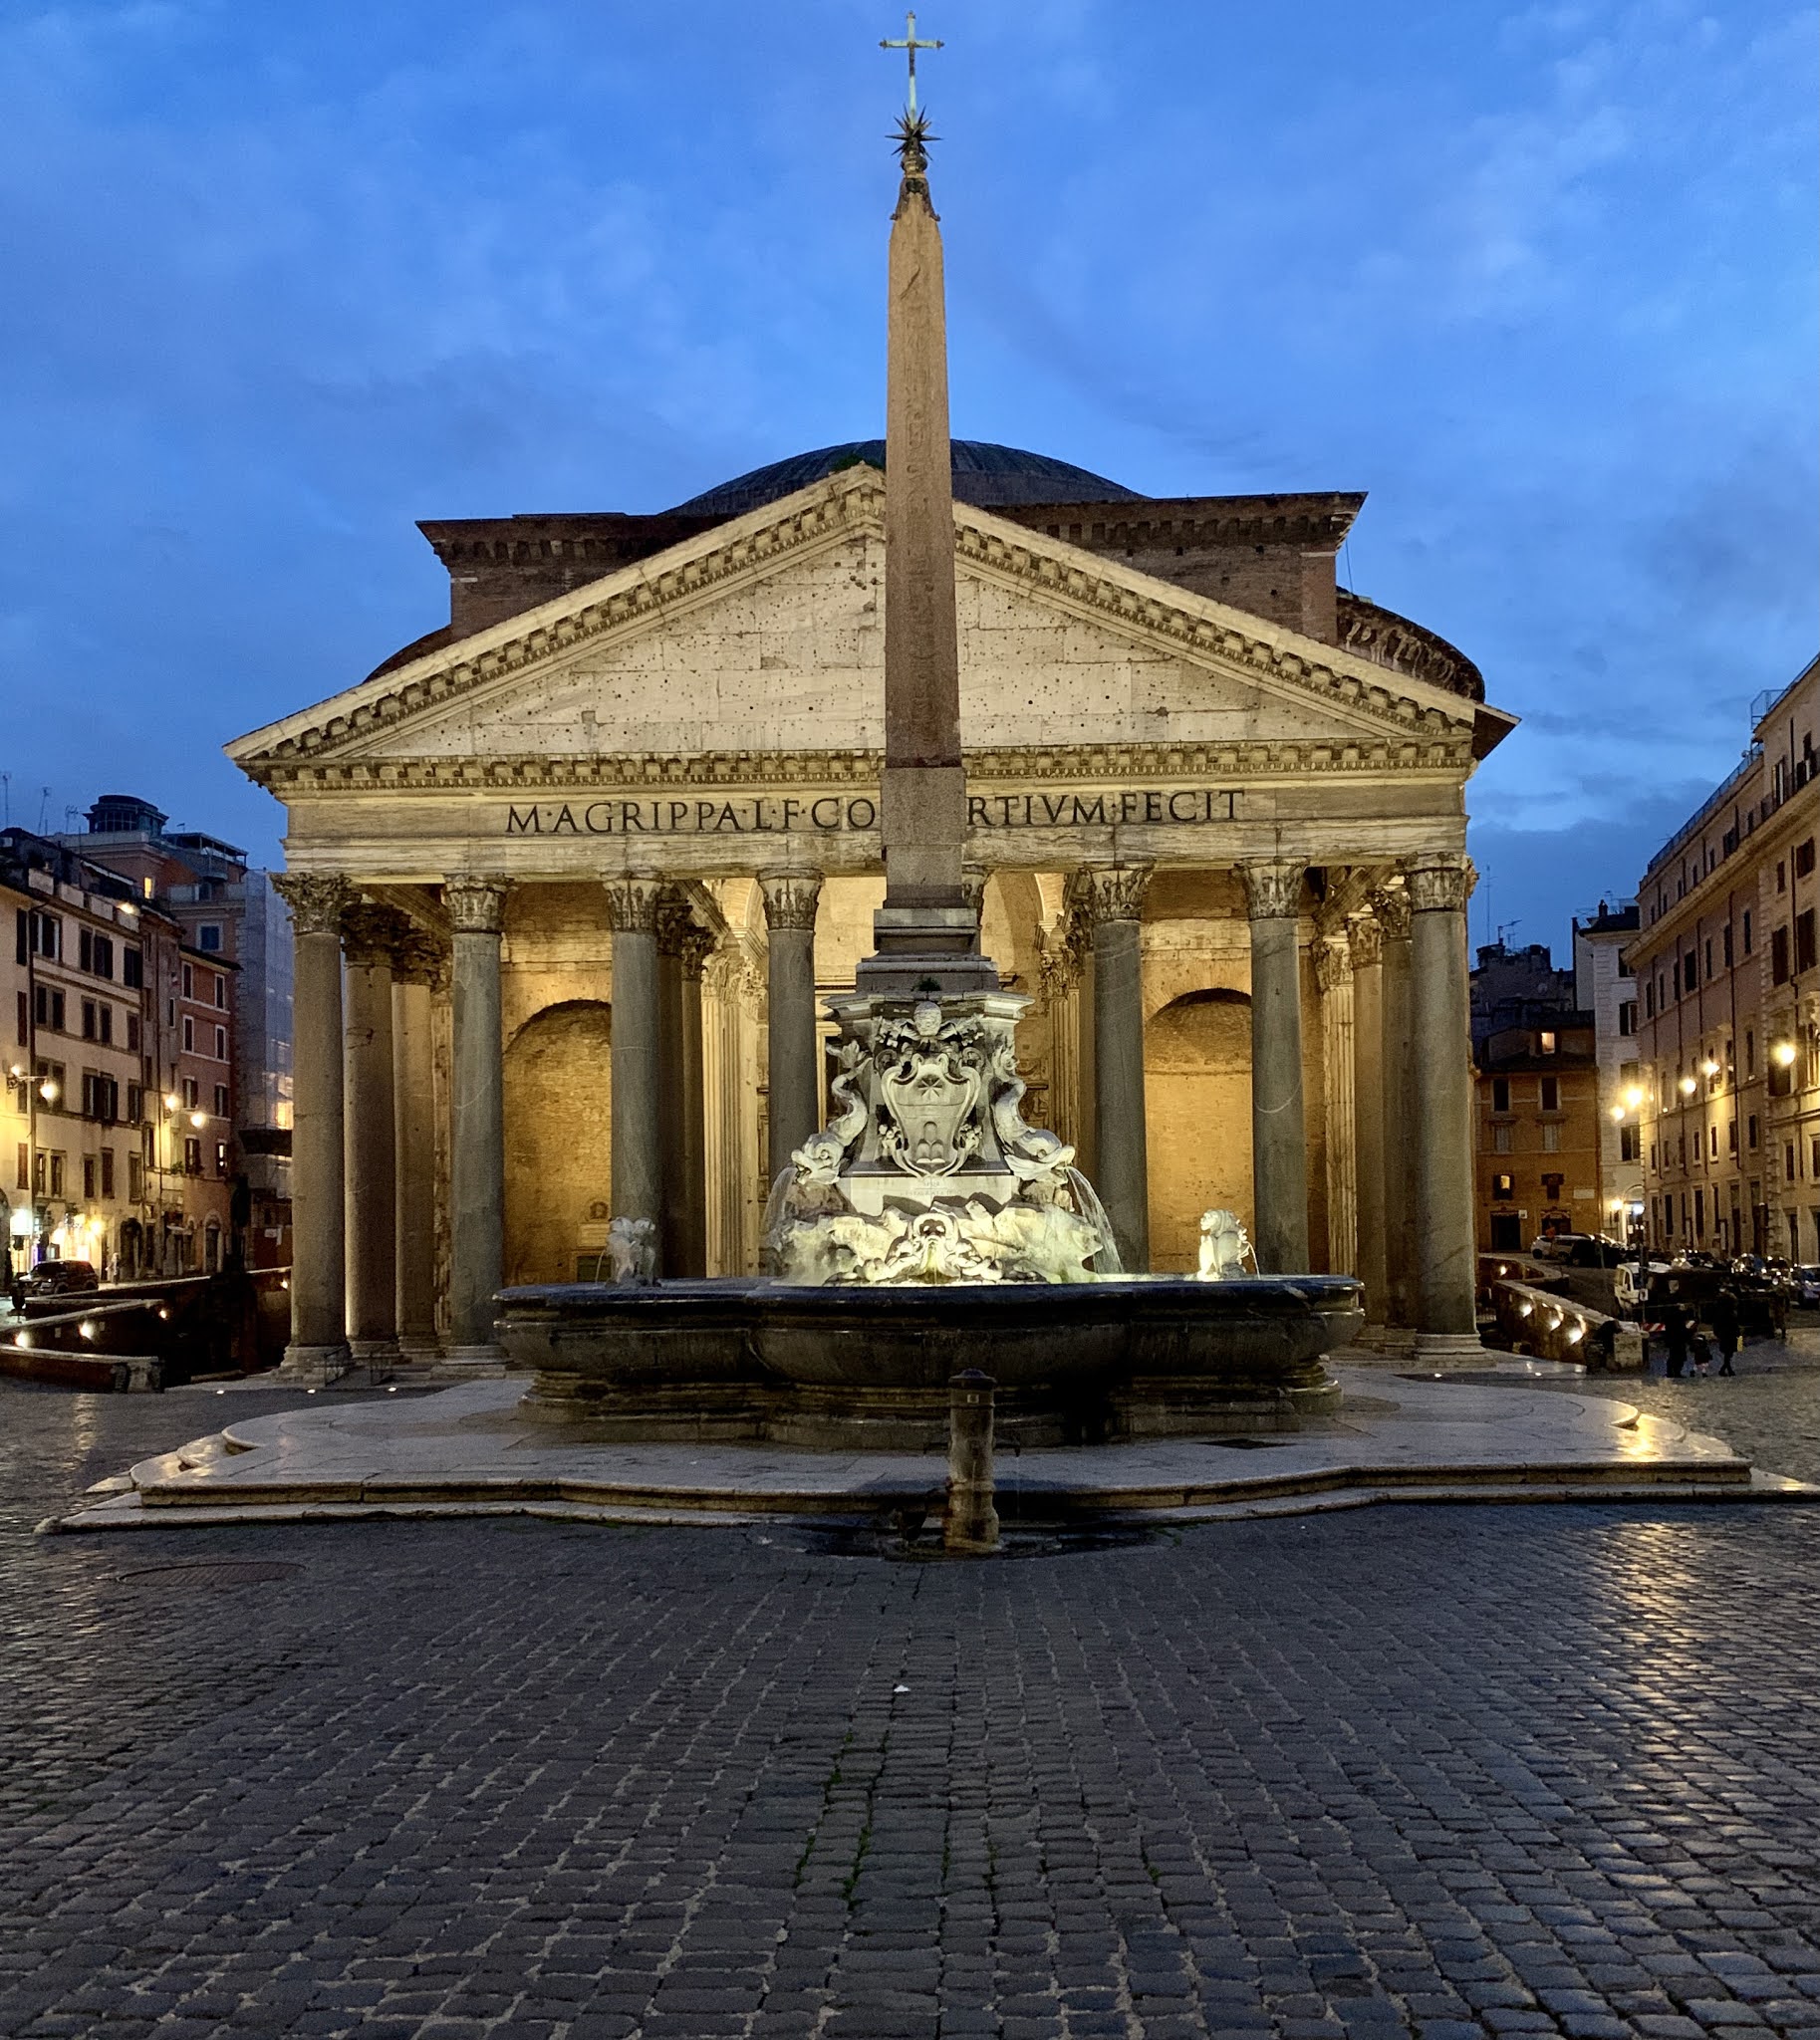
pixel 1443 1773
pixel 467 1449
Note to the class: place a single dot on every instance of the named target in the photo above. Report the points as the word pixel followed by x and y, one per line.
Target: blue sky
pixel 282 280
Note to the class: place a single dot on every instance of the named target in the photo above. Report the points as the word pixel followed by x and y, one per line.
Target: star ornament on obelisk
pixel 926 936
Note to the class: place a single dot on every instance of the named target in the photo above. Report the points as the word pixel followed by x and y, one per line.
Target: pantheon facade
pixel 573 874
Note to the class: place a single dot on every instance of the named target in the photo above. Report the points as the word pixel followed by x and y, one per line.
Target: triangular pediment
pixel 764 637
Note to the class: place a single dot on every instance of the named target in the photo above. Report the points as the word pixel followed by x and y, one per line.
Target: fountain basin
pixel 847 1365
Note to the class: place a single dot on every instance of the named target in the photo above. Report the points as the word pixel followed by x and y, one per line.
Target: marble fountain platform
pixel 467 1451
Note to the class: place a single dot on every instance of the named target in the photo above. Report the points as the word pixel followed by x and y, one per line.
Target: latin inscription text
pixel 842 814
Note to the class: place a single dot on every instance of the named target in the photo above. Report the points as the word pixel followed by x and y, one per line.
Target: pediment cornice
pixel 655 771
pixel 319 745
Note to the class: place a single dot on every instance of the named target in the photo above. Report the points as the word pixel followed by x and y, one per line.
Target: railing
pixel 1703 815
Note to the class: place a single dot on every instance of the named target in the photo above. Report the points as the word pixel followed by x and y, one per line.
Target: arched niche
pixel 558 1139
pixel 1198 1119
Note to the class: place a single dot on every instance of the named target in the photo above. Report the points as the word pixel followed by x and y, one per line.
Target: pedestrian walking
pixel 1726 1324
pixel 1675 1329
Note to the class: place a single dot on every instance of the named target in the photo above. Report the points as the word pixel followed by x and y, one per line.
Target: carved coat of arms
pixel 930 1084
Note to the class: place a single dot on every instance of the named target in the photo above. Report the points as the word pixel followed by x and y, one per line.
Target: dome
pixel 984 473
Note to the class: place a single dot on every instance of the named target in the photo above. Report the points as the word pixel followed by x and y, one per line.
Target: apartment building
pixel 1536 1135
pixel 1729 1024
pixel 1605 988
pixel 235 943
pixel 77 1113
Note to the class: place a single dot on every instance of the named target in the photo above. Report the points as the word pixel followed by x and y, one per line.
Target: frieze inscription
pixel 858 814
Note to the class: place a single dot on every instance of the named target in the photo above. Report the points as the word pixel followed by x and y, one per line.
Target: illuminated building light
pixel 1784 1053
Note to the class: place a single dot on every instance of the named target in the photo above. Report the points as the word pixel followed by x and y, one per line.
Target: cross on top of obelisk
pixel 908 42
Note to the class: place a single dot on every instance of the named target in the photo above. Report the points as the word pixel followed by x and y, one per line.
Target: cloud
pixel 285 280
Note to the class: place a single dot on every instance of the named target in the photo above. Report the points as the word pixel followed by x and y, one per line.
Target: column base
pixel 313 1367
pixel 471 1364
pixel 1451 1348
pixel 419 1360
pixel 380 1357
pixel 1395 1342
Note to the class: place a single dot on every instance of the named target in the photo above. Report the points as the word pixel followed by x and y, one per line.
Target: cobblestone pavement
pixel 1448 1772
pixel 1769 1409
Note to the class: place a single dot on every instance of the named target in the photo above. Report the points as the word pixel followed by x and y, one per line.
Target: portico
pixel 593 870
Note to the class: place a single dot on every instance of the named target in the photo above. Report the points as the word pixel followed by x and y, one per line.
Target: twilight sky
pixel 281 280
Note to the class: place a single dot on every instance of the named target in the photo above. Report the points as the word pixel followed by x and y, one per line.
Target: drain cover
pixel 219 1572
pixel 870 1540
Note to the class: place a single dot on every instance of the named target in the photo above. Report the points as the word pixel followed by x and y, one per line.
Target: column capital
pixel 791 898
pixel 317 900
pixel 1333 965
pixel 419 958
pixel 1390 910
pixel 697 947
pixel 673 919
pixel 632 903
pixel 1060 950
pixel 1365 939
pixel 1115 892
pixel 373 934
pixel 476 903
pixel 1273 888
pixel 1440 882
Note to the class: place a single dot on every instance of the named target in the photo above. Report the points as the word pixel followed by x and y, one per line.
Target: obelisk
pixel 926 936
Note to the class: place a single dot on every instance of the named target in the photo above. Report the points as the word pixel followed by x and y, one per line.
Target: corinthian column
pixel 697 947
pixel 1439 886
pixel 1279 1141
pixel 369 936
pixel 318 1346
pixel 638 1167
pixel 476 906
pixel 1390 910
pixel 417 966
pixel 795 1081
pixel 1121 1142
pixel 1366 940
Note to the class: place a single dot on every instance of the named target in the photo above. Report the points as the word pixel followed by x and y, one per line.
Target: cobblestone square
pixel 1436 1771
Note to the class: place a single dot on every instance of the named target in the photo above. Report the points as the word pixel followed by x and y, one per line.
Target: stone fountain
pixel 928 1229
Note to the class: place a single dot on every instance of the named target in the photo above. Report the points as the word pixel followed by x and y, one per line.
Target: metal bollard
pixel 971 1522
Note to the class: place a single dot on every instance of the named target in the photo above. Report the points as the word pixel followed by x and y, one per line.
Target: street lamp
pixel 1688 1087
pixel 1784 1053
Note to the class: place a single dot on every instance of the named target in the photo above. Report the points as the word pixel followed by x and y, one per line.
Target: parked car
pixel 1645 1289
pixel 1580 1249
pixel 56 1278
pixel 1807 1286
